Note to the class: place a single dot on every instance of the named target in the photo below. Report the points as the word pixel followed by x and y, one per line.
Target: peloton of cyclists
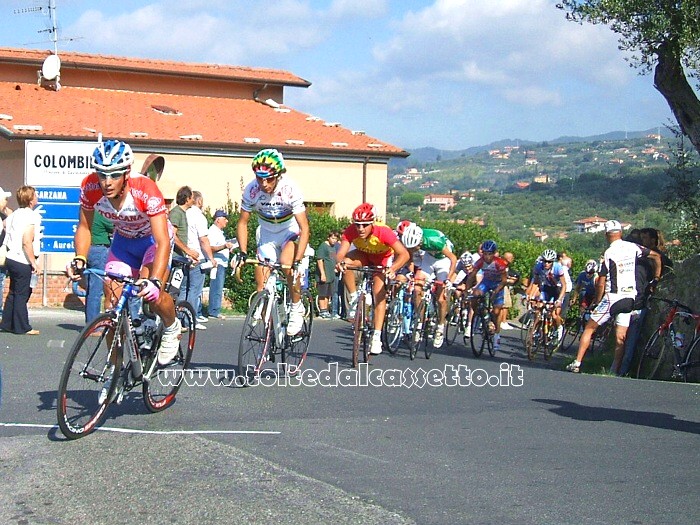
pixel 431 254
pixel 375 244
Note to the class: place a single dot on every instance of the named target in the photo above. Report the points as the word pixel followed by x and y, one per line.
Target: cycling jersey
pixel 543 276
pixel 586 283
pixel 275 210
pixel 619 267
pixel 133 220
pixel 379 242
pixel 492 272
pixel 434 241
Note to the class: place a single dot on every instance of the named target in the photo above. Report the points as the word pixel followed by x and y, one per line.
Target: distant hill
pixel 428 154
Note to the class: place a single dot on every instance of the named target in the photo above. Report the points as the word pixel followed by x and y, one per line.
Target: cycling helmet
pixel 268 163
pixel 402 226
pixel 549 255
pixel 467 259
pixel 112 156
pixel 489 247
pixel 591 266
pixel 365 212
pixel 412 236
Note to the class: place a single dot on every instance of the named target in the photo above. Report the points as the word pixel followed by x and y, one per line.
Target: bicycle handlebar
pixel 673 303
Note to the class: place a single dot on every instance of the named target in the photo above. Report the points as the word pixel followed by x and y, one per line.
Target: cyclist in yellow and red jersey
pixel 374 246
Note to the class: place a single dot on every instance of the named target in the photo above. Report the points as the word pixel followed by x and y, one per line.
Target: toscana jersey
pixel 133 220
pixel 493 271
pixel 379 241
pixel 274 210
pixel 548 277
pixel 619 267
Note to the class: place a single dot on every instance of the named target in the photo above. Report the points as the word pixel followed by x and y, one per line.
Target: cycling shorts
pixel 487 286
pixel 614 305
pixel 270 243
pixel 430 265
pixel 134 252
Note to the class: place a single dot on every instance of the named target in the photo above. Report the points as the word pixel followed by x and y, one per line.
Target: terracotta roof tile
pixel 71 112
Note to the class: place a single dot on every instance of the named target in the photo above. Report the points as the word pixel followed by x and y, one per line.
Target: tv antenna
pixel 49 75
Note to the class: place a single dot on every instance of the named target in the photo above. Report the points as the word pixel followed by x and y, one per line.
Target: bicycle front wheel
pixel 453 323
pixel 256 339
pixel 393 325
pixel 653 355
pixel 691 365
pixel 160 389
pixel 297 345
pixel 358 340
pixel 429 327
pixel 417 331
pixel 480 335
pixel 533 339
pixel 81 402
pixel 528 319
pixel 571 334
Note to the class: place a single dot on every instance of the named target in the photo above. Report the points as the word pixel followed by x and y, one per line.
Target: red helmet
pixel 402 226
pixel 365 212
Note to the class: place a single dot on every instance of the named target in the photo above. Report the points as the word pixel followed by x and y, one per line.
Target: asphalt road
pixel 561 448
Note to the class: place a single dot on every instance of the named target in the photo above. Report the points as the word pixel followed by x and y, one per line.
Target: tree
pixel 663 35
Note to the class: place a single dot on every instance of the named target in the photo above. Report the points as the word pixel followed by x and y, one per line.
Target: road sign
pixel 59 208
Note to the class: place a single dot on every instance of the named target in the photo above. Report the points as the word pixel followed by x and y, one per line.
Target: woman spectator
pixel 22 251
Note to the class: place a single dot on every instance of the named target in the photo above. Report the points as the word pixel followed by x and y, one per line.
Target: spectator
pixel 649 238
pixel 198 243
pixel 178 218
pixel 97 258
pixel 222 250
pixel 616 290
pixel 4 212
pixel 325 274
pixel 22 239
pixel 566 263
pixel 511 280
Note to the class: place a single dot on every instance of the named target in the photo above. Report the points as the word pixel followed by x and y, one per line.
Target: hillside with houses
pixel 538 191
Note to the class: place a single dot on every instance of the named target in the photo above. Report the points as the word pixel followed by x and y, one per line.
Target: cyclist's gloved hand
pixel 237 260
pixel 150 290
pixel 76 267
pixel 449 285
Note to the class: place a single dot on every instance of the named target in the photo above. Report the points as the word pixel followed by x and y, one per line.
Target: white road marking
pixel 157 432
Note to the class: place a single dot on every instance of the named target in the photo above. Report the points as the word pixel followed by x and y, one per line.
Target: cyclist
pixel 375 244
pixel 284 228
pixel 494 279
pixel 548 275
pixel 584 287
pixel 431 255
pixel 464 267
pixel 143 237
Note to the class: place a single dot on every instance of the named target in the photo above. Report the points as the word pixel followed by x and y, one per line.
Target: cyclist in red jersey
pixel 142 240
pixel 374 245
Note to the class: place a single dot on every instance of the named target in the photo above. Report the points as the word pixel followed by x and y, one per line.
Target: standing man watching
pixel 325 259
pixel 616 290
pixel 222 249
pixel 198 242
pixel 100 240
pixel 178 219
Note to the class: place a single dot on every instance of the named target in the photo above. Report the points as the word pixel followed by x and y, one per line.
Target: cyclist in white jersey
pixel 284 227
pixel 616 290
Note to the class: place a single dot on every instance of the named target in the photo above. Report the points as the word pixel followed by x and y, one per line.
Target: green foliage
pixel 412 199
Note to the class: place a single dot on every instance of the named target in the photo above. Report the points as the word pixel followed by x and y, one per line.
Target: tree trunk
pixel 671 82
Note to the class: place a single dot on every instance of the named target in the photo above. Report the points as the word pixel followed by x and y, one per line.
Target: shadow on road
pixel 633 417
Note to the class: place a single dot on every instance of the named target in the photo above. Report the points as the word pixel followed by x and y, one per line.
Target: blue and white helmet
pixel 112 156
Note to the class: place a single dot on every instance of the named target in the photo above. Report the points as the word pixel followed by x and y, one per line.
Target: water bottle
pixel 212 274
pixel 407 316
pixel 679 340
pixel 33 280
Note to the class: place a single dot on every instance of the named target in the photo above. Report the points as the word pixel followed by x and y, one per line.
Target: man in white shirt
pixel 616 289
pixel 222 249
pixel 197 241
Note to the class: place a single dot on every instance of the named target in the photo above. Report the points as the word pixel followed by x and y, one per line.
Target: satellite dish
pixel 153 167
pixel 51 68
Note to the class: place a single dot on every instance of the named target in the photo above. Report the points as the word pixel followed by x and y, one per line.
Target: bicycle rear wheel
pixel 256 339
pixel 652 355
pixel 572 332
pixel 86 372
pixel 393 325
pixel 358 340
pixel 297 345
pixel 159 391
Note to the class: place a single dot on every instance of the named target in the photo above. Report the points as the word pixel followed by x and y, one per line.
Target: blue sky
pixel 444 73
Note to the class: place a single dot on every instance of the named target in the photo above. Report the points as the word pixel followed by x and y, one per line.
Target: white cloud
pixel 532 96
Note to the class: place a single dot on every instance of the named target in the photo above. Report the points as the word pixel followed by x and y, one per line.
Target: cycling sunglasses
pixel 114 176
